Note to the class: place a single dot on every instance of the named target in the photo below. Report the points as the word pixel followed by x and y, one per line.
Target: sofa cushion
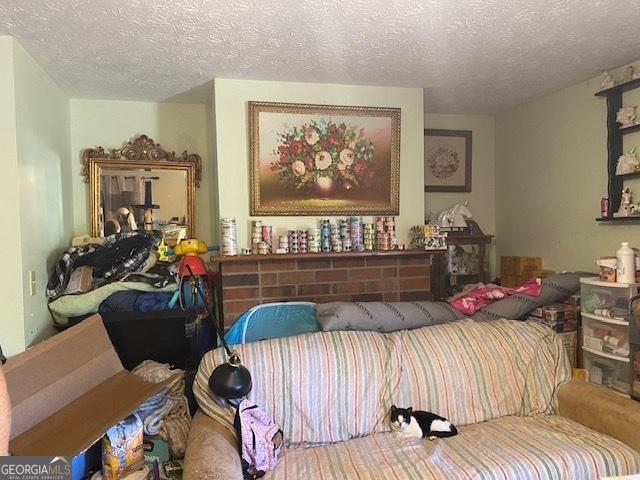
pixel 539 447
pixel 471 371
pixel 320 387
pixel 384 316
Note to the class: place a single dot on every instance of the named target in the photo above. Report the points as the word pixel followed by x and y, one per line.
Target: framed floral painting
pixel 447 160
pixel 323 159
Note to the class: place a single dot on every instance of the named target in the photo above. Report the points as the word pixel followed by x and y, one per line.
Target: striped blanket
pixel 532 448
pixel 334 386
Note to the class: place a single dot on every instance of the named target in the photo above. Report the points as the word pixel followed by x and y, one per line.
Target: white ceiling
pixel 470 56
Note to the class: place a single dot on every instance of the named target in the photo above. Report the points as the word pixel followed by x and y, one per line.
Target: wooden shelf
pixel 622 87
pixel 307 256
pixel 629 175
pixel 619 219
pixel 631 129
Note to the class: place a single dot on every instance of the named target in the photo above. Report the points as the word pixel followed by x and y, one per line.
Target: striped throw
pixel 320 387
pixel 532 448
pixel 470 372
pixel 333 386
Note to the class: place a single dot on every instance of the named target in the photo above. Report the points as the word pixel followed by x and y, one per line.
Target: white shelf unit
pixel 605 334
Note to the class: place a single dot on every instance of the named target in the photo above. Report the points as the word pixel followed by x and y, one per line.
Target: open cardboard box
pixel 68 390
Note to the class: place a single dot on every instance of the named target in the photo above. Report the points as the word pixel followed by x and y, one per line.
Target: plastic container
pixel 598 295
pixel 610 336
pixel 626 264
pixel 605 331
pixel 609 372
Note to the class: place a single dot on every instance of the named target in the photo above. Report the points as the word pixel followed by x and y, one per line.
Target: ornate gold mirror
pixel 141 186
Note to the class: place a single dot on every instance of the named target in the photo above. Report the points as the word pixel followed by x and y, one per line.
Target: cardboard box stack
pixel 514 271
pixel 563 319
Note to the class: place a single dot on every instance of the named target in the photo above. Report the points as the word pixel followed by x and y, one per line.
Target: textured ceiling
pixel 468 55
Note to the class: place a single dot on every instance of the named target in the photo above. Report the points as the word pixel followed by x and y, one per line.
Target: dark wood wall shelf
pixel 631 129
pixel 620 88
pixel 615 134
pixel 629 175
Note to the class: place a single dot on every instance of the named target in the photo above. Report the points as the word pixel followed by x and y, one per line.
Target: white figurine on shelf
pixel 626 116
pixel 628 163
pixel 626 206
pixel 607 80
pixel 456 216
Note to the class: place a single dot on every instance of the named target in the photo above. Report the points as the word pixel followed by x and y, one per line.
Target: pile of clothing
pixel 124 277
pixel 166 413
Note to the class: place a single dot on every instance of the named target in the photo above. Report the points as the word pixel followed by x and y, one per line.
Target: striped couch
pixel 331 392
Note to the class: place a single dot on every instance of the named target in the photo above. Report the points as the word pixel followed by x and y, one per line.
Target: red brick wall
pixel 246 283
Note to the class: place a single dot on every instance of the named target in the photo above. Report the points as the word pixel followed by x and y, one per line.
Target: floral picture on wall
pixel 323 159
pixel 447 160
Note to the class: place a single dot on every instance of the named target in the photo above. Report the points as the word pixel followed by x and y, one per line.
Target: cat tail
pixel 452 433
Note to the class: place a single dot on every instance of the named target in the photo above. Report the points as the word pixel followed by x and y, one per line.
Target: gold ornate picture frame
pixel 136 161
pixel 323 159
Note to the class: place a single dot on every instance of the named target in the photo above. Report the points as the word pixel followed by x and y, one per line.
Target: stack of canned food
pixel 346 235
pixel 356 234
pixel 229 236
pixel 256 235
pixel 314 240
pixel 369 236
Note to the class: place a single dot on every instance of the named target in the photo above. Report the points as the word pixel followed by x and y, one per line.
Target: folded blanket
pixel 76 305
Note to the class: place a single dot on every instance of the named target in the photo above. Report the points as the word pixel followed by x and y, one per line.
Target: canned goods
pixel 229 241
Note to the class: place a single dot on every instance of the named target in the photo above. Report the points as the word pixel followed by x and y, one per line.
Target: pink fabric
pixel 258 433
pixel 479 296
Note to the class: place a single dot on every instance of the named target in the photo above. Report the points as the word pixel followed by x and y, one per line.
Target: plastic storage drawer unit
pixel 605 332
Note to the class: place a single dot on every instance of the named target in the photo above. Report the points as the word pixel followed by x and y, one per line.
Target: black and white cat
pixel 420 424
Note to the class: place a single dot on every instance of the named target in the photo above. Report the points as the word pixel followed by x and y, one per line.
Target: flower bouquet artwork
pixel 317 159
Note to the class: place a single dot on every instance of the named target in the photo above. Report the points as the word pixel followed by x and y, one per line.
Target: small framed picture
pixel 447 160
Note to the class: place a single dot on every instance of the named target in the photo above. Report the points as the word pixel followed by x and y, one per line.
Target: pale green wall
pixel 12 336
pixel 46 215
pixel 36 194
pixel 551 172
pixel 177 127
pixel 231 97
pixel 482 198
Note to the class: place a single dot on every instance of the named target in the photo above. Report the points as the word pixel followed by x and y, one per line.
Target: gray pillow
pixel 554 288
pixel 384 316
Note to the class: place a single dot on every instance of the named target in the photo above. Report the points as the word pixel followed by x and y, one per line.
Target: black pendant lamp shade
pixel 231 380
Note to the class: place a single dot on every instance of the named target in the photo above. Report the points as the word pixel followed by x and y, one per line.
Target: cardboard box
pixel 519 265
pixel 80 281
pixel 540 273
pixel 556 313
pixel 563 327
pixel 68 390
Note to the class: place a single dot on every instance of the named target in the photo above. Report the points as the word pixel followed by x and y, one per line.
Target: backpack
pixel 260 438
